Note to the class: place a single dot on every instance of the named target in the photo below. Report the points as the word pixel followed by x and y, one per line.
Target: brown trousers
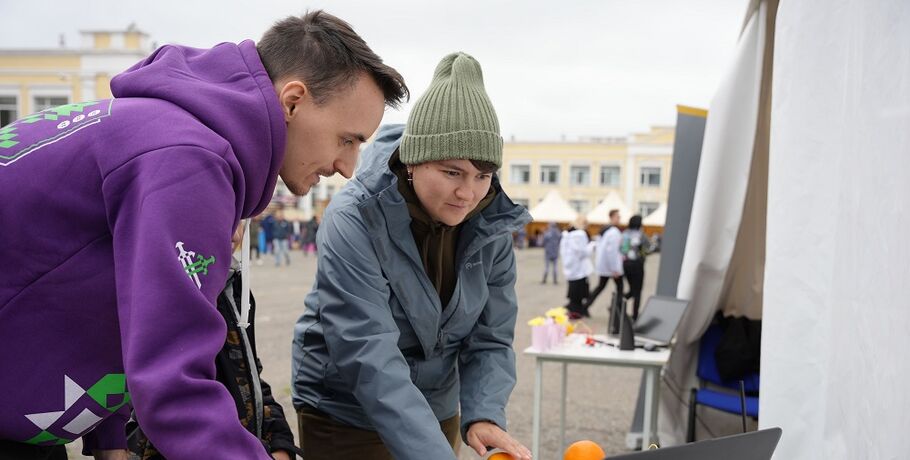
pixel 322 438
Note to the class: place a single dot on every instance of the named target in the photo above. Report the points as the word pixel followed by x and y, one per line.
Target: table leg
pixel 655 407
pixel 562 413
pixel 538 390
pixel 650 404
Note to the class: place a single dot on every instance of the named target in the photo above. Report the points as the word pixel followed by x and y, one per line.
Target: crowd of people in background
pixel 272 233
pixel 614 253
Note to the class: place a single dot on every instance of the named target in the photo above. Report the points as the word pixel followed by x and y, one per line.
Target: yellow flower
pixel 538 321
pixel 558 311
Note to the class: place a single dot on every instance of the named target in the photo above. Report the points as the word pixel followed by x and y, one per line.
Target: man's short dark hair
pixel 327 55
pixel 613 212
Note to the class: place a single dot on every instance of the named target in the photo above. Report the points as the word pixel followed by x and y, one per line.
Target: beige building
pixel 637 168
pixel 32 80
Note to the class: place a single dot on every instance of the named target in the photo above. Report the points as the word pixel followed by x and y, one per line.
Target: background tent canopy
pixel 600 214
pixel 553 208
pixel 658 218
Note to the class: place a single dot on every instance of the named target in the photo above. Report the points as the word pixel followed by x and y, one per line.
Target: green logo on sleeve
pixel 194 264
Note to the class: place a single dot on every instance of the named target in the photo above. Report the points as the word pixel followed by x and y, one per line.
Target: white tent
pixel 658 218
pixel 722 266
pixel 600 213
pixel 837 316
pixel 788 225
pixel 553 208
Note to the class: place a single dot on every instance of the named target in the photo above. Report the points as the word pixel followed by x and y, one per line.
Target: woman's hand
pixel 485 434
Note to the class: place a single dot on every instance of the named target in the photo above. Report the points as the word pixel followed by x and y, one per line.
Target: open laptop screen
pixel 659 319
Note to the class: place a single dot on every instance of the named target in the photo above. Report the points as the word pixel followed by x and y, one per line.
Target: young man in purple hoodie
pixel 118 216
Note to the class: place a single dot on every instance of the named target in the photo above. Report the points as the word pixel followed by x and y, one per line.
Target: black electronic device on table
pixel 757 445
pixel 657 324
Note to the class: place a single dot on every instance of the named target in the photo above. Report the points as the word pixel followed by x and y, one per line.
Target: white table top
pixel 573 349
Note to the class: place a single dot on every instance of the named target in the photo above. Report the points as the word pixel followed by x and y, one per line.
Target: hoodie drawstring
pixel 244 319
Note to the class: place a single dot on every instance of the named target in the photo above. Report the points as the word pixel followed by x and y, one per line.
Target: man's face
pixel 324 139
pixel 449 190
pixel 614 219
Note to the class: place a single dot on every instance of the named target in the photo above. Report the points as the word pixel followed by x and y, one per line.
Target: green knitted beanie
pixel 453 119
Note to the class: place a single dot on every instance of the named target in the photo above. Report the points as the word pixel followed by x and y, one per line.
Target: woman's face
pixel 449 190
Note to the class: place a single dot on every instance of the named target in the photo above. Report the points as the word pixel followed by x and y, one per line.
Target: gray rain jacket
pixel 375 349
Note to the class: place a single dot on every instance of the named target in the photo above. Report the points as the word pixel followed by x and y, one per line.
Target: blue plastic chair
pixel 726 399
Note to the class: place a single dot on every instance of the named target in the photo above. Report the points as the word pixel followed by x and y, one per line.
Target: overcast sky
pixel 554 68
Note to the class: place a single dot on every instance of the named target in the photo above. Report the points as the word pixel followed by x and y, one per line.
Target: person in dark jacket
pixel 406 341
pixel 308 238
pixel 238 368
pixel 634 249
pixel 281 234
pixel 551 240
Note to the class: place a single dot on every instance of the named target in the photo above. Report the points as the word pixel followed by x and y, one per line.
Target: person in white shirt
pixel 575 251
pixel 609 258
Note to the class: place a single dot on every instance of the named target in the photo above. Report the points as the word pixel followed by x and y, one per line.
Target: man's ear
pixel 290 96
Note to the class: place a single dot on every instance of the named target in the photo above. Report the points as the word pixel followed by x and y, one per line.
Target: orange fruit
pixel 584 450
pixel 500 456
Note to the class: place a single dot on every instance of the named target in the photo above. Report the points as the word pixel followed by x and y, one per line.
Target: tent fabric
pixel 743 289
pixel 601 213
pixel 553 208
pixel 836 315
pixel 658 218
pixel 717 212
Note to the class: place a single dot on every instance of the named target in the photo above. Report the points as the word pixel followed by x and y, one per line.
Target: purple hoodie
pixel 117 219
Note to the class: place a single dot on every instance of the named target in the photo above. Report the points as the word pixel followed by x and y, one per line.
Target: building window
pixel 609 176
pixel 520 174
pixel 520 202
pixel 650 177
pixel 549 175
pixel 645 208
pixel 580 175
pixel 46 102
pixel 9 110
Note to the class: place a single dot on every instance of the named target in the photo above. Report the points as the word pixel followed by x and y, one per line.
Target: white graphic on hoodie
pixel 194 268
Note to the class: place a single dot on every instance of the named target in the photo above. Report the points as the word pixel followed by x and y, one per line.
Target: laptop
pixel 658 321
pixel 757 445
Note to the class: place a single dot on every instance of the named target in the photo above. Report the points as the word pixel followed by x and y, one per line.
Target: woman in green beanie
pixel 406 341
